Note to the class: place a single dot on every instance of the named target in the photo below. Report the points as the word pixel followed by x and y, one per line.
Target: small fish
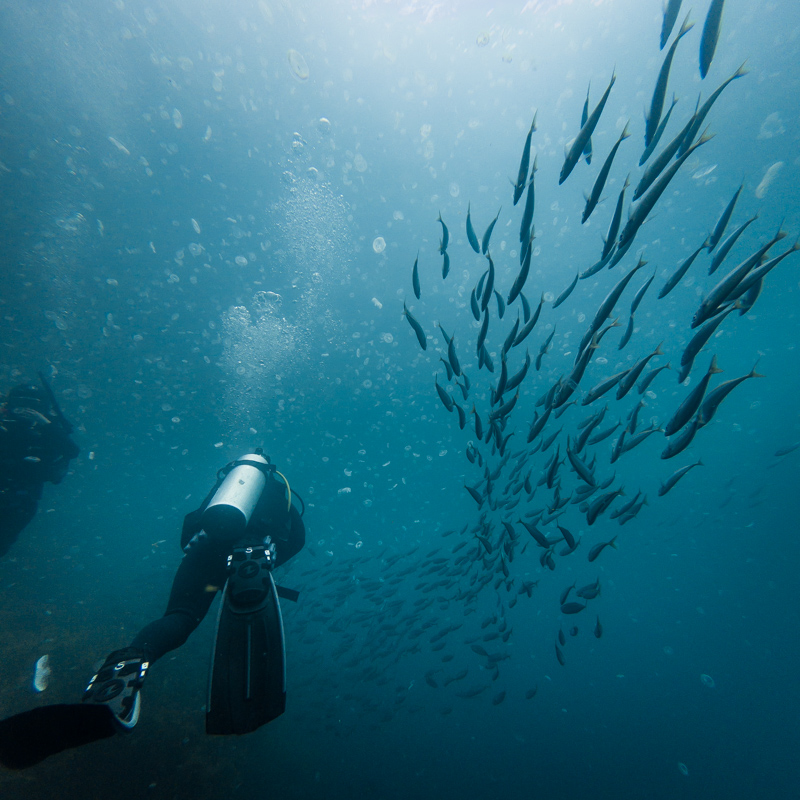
pixel 708 42
pixel 416 327
pixel 572 608
pixel 722 222
pixel 675 477
pixel 653 117
pixel 679 273
pixel 488 234
pixel 415 277
pixel 692 401
pixel 576 150
pixel 671 10
pixel 560 656
pixel 522 174
pixel 567 292
pixel 598 548
pixel 531 693
pixel 445 235
pixel 719 393
pixel 453 358
pixel 587 151
pixel 473 239
pixel 445 264
pixel 597 189
pixel 598 629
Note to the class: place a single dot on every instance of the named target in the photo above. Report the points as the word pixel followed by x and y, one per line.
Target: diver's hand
pixel 197 540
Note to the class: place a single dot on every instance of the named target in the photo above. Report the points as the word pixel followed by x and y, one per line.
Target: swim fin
pixel 32 736
pixel 247 682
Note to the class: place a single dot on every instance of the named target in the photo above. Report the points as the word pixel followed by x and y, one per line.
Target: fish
pixel 675 477
pixel 590 591
pixel 562 640
pixel 537 426
pixel 784 451
pixel 722 222
pixel 509 340
pixel 515 380
pixel 613 228
pixel 729 242
pixel 600 505
pixel 757 275
pixel 567 292
pixel 646 203
pixel 475 306
pixel 597 188
pixel 699 116
pixel 727 284
pixel 530 324
pixel 598 629
pixel 679 273
pixel 452 357
pixel 501 306
pixel 447 400
pixel 416 327
pixel 489 285
pixel 692 401
pixel 415 277
pixel 560 656
pixel 483 331
pixel 627 335
pixel 662 126
pixel 677 444
pixel 445 264
pixel 488 234
pixel 473 691
pixel 587 151
pixel 653 117
pixel 462 417
pixel 471 237
pixel 522 276
pixel 544 349
pixel 627 381
pixel 522 174
pixel 581 469
pixel 604 434
pixel 610 300
pixel 531 693
pixel 448 369
pixel 498 698
pixel 645 382
pixel 719 393
pixel 699 340
pixel 576 150
pixel 671 9
pixel 708 41
pixel 572 608
pixel 598 548
pixel 445 235
pixel 564 595
pixel 527 213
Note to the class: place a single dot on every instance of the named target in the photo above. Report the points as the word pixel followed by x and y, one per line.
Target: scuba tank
pixel 229 510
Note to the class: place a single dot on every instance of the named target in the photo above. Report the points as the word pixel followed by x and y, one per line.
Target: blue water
pixel 164 166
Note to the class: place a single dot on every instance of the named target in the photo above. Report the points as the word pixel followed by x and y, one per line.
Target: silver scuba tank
pixel 232 505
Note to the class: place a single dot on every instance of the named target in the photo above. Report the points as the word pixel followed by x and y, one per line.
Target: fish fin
pixel 625 132
pixel 659 351
pixel 613 543
pixel 686 27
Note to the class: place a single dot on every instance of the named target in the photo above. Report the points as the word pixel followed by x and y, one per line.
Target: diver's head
pixel 28 395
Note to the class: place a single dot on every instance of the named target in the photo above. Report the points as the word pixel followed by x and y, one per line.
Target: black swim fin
pixel 247 684
pixel 32 736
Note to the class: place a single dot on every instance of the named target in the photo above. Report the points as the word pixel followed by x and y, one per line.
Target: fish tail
pixel 613 543
pixel 742 71
pixel 753 373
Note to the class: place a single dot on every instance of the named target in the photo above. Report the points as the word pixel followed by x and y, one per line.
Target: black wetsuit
pixel 202 572
pixel 34 448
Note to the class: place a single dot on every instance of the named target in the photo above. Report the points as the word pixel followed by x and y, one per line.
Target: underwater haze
pixel 209 215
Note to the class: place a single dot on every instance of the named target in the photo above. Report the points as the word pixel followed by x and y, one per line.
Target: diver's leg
pixel 117 683
pixel 200 575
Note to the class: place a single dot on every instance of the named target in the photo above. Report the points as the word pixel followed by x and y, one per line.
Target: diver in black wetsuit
pixel 247 524
pixel 35 447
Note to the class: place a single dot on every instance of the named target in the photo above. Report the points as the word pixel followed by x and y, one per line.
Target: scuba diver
pixel 247 525
pixel 35 447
